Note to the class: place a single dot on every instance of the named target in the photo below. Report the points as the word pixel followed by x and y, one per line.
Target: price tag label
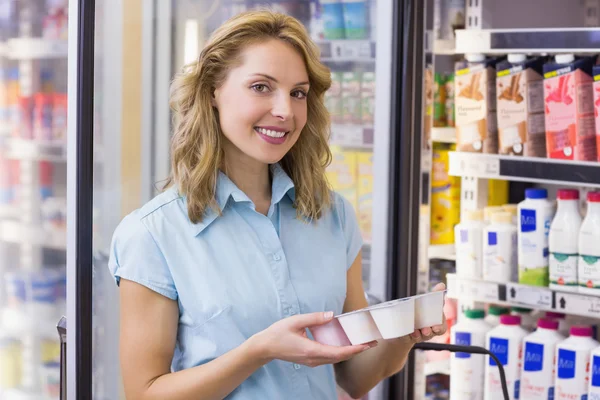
pixel 527 295
pixel 347 135
pixel 577 304
pixel 474 165
pixel 472 41
pixel 476 290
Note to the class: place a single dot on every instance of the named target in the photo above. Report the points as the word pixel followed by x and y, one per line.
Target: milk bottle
pixel 589 250
pixel 500 249
pixel 467 237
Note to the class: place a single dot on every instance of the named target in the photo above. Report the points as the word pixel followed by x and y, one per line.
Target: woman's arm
pixel 362 373
pixel 148 335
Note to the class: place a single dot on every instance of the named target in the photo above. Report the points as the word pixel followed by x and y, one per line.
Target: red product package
pixel 42 125
pixel 59 116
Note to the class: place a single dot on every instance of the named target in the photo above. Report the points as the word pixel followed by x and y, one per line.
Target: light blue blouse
pixel 237 274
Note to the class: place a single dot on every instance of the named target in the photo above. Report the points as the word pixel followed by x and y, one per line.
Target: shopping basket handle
pixel 454 348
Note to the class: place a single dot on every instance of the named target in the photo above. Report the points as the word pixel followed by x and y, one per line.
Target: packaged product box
pixel 333 98
pixel 351 101
pixel 520 93
pixel 367 95
pixel 596 72
pixel 428 104
pixel 450 114
pixel 439 100
pixel 365 194
pixel 497 192
pixel 445 196
pixel 569 100
pixel 475 101
pixel 343 174
pixel 333 19
pixel 356 19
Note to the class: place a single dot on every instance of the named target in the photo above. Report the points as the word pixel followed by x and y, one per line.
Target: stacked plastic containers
pixel 387 320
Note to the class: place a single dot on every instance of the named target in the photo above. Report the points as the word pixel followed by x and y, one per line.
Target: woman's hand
pixel 424 334
pixel 287 340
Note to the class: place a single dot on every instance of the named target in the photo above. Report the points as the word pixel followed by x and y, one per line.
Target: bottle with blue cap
pixel 535 216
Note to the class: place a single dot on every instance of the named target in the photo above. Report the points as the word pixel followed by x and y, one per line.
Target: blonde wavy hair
pixel 196 146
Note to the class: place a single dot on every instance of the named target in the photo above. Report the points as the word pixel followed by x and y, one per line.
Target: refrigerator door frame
pixel 405 166
pixel 80 159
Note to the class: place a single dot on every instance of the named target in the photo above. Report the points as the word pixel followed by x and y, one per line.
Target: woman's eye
pixel 299 94
pixel 260 88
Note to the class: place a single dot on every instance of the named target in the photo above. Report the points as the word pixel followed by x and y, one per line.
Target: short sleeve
pixel 350 227
pixel 135 256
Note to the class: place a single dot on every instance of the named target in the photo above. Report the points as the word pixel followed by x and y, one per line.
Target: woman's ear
pixel 213 99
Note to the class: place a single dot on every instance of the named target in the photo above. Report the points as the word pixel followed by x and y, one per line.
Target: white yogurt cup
pixel 395 318
pixel 331 334
pixel 359 326
pixel 429 309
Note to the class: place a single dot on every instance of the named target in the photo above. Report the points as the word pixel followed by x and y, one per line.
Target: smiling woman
pixel 247 247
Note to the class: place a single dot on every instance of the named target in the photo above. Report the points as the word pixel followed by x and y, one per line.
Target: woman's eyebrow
pixel 269 77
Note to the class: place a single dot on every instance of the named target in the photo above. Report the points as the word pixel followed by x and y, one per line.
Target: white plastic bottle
pixel 594 392
pixel 493 315
pixel 535 215
pixel 589 250
pixel 537 373
pixel 488 212
pixel 500 249
pixel 513 209
pixel 505 342
pixel 468 234
pixel 564 326
pixel 466 380
pixel 572 363
pixel 563 242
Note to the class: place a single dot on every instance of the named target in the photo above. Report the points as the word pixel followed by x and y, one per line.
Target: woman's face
pixel 262 103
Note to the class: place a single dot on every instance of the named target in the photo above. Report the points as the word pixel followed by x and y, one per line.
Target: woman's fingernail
pixel 328 315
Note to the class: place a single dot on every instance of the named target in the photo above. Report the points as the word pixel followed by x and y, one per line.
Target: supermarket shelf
pixel 530 41
pixel 525 169
pixel 442 252
pixel 514 294
pixel 437 367
pixel 444 47
pixel 347 50
pixel 353 136
pixel 443 135
pixel 17 232
pixel 35 150
pixel 35 48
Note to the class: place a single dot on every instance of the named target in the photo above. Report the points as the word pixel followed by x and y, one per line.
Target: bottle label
pixel 464 235
pixel 528 220
pixel 595 380
pixel 534 357
pixel 566 364
pixel 463 339
pixel 492 238
pixel 563 269
pixel 589 271
pixel 499 347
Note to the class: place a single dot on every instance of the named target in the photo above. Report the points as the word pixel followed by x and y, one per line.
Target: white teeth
pixel 271 133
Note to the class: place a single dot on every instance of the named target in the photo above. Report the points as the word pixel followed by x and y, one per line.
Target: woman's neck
pixel 252 178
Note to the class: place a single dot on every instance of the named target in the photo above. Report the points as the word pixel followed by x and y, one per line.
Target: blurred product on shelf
pixel 333 97
pixel 437 387
pixel 333 17
pixel 596 73
pixel 6 188
pixel 563 325
pixel 54 214
pixel 589 249
pixel 569 94
pixel 56 21
pixel 356 20
pixel 450 90
pixel 563 242
pixel 537 372
pixel 475 102
pixel 367 95
pixel 428 104
pixel 365 194
pixel 445 196
pixel 505 341
pixel 500 249
pixel 351 100
pixel 594 392
pixel 449 15
pixel 528 320
pixel 467 377
pixel 469 249
pixel 348 19
pixel 46 181
pixel 438 270
pixel 46 286
pixel 50 375
pixel 572 363
pixel 488 211
pixel 493 316
pixel 520 94
pixel 513 210
pixel 536 213
pixel 343 175
pixel 439 100
pixel 497 192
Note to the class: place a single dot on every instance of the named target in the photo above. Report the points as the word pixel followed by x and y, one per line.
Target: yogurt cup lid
pixel 581 331
pixel 547 323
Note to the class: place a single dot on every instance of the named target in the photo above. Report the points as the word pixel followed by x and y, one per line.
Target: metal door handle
pixel 62 334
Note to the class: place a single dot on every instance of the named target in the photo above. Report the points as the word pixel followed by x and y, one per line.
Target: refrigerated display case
pixel 33 164
pixel 122 57
pixel 492 29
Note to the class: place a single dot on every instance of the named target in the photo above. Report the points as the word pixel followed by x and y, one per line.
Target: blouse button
pixel 296 366
pixel 276 257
